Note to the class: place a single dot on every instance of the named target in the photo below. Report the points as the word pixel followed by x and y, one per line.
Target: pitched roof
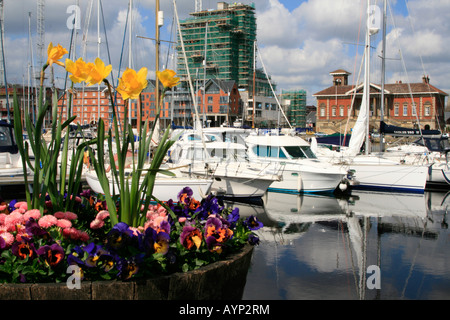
pixel 395 88
pixel 339 71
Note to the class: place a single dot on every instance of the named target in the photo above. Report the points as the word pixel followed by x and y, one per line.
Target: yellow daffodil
pixel 132 83
pixel 99 72
pixel 55 53
pixel 79 70
pixel 167 78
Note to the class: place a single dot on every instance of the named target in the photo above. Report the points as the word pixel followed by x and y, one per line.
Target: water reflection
pixel 319 247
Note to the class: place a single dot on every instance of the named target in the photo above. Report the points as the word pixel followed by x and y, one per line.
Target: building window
pixel 210 108
pixel 396 110
pixel 333 111
pixel 427 109
pixel 405 109
pixel 322 112
pixel 414 109
pixel 341 111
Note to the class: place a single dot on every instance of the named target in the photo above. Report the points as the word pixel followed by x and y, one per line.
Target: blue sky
pixel 300 41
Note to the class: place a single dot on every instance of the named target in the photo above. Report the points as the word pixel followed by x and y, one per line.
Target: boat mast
pixel 383 76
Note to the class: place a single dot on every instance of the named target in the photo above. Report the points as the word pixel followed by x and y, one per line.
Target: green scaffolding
pixel 230 35
pixel 296 112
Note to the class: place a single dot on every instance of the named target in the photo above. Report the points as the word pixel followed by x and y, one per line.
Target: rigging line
pixel 64 93
pixel 120 64
pixel 271 87
pixel 406 75
pixel 354 70
pixel 106 40
pixel 421 59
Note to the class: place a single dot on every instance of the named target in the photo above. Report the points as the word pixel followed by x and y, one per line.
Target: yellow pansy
pixel 132 83
pixel 167 78
pixel 79 70
pixel 55 53
pixel 99 72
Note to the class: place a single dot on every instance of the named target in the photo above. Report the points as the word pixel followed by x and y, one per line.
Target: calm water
pixel 324 247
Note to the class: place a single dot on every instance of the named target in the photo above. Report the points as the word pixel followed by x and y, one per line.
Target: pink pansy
pixel 182 219
pixel 3 207
pixel 47 221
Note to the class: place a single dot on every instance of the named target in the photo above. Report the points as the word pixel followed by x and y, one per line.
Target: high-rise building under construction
pixel 220 43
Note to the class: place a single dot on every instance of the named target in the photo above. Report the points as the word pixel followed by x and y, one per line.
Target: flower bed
pixel 59 247
pixel 194 285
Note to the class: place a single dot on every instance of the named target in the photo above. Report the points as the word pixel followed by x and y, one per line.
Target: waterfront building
pixel 405 105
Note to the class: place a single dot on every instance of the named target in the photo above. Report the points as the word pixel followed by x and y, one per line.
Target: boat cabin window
pixel 227 154
pixel 195 154
pixel 297 152
pixel 269 152
pixel 5 137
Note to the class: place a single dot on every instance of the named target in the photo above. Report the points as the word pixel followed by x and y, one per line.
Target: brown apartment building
pixel 406 105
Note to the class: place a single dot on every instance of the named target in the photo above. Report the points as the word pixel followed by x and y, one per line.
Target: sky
pixel 299 41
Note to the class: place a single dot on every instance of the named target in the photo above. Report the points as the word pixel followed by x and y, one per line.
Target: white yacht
pixel 302 171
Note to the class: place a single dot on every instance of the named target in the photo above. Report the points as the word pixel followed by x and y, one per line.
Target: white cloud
pixel 300 42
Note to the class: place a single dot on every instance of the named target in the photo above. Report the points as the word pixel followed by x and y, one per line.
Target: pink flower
pixel 3 207
pixel 8 237
pixel 14 218
pixel 47 221
pixel 70 216
pixel 75 234
pixel 59 215
pixel 97 224
pixel 66 215
pixel 33 213
pixel 2 218
pixel 182 219
pixel 21 205
pixel 64 223
pixel 102 215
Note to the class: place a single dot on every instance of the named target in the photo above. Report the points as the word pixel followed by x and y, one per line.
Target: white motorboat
pixel 224 162
pixel 11 167
pixel 302 171
pixel 165 187
pixel 428 150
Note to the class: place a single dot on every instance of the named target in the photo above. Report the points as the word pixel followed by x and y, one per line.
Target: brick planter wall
pixel 222 280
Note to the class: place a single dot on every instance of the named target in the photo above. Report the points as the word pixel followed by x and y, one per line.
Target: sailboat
pixel 374 172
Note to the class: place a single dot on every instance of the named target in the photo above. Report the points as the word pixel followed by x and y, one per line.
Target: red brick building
pixel 405 104
pixel 221 102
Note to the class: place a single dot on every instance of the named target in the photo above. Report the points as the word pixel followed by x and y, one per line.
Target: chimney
pixel 426 79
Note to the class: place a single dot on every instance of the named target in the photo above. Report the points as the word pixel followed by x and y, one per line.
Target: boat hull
pixel 396 178
pixel 237 180
pixel 307 180
pixel 164 189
